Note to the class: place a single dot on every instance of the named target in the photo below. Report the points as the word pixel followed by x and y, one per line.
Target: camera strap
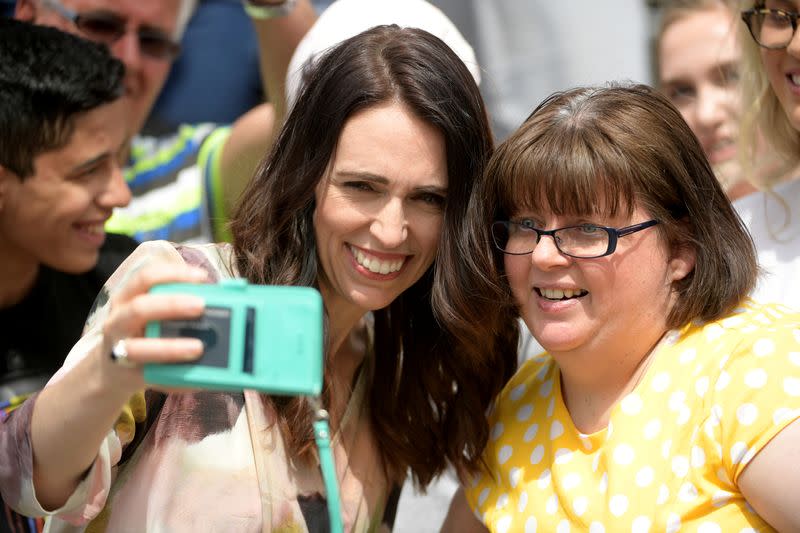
pixel 322 435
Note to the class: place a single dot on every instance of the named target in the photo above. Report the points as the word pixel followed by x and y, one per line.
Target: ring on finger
pixel 119 354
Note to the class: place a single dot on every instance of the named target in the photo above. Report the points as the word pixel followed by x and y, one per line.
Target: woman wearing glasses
pixel 666 400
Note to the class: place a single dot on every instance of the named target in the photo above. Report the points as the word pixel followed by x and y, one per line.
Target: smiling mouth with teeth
pixel 560 294
pixel 375 265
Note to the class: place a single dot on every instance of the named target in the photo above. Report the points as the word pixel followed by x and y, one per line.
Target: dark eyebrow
pixel 376 178
pixel 89 163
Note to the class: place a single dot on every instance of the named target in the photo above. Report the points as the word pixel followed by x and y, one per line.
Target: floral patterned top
pixel 199 461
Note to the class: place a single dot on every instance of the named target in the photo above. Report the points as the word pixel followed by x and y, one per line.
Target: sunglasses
pixel 107 28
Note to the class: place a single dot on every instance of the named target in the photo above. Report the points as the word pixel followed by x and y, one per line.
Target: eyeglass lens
pixel 771 28
pixel 108 28
pixel 578 241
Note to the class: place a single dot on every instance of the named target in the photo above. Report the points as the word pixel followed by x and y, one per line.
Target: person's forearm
pixel 70 419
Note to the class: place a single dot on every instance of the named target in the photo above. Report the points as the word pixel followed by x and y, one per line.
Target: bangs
pixel 569 171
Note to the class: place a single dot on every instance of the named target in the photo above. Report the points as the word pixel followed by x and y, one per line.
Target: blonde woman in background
pixel 771 96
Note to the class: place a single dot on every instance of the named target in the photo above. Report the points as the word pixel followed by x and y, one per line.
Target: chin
pixel 74 265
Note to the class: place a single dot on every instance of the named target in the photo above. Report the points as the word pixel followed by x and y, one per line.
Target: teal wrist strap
pixel 322 434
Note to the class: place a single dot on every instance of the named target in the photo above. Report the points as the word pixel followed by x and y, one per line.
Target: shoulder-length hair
pixel 762 113
pixel 607 150
pixel 439 359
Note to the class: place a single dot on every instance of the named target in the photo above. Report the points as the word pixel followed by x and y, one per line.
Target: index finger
pixel 156 274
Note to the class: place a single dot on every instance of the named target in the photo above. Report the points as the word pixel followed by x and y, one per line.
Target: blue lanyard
pixel 322 435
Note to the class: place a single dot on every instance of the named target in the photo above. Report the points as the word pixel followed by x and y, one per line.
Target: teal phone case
pixel 262 337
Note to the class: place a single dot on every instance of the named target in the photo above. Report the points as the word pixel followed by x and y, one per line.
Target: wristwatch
pixel 263 9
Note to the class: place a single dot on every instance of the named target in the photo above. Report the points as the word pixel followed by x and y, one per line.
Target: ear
pixel 25 10
pixel 682 261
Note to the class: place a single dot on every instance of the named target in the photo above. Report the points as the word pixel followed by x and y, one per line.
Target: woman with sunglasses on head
pixel 771 92
pixel 363 196
pixel 666 399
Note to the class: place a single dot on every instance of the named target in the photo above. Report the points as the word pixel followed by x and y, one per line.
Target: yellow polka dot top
pixel 671 455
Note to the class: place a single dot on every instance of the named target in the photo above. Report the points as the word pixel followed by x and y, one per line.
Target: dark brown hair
pixel 629 146
pixel 439 356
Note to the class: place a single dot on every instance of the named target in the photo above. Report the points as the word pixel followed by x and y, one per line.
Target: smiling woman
pixel 661 382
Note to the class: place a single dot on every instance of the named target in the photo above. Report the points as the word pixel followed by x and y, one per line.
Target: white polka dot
pixel 571 481
pixel 580 505
pixel 530 525
pixel 524 412
pixel 794 357
pixel 531 432
pixel 551 407
pixel 595 462
pixel 701 386
pixel 514 475
pixel 641 525
pixel 698 457
pixel 684 415
pixel 746 414
pixel 738 451
pixel 556 430
pixel 673 523
pixel 544 479
pixel 609 430
pixel 624 455
pixel 763 347
pixel 552 504
pixel 747 530
pixel 502 501
pixel 652 429
pixel 503 524
pixel 756 379
pixel 661 382
pixel 546 388
pixel 720 498
pixel 517 392
pixel 563 526
pixel 482 497
pixel 603 486
pixel 722 475
pixel 713 332
pixel 716 415
pixel 618 504
pixel 687 356
pixel 497 430
pixel 796 333
pixel 709 527
pixel 783 414
pixel 504 454
pixel 631 404
pixel 663 495
pixel 537 454
pixel 723 380
pixel 597 527
pixel 791 386
pixel 563 456
pixel 645 476
pixel 523 502
pixel 723 361
pixel 665 449
pixel 587 444
pixel 677 400
pixel 680 465
pixel 687 493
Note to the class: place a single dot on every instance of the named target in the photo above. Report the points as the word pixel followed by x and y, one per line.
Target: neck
pixel 593 383
pixel 17 277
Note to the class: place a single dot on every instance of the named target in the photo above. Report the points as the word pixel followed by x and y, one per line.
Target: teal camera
pixel 262 337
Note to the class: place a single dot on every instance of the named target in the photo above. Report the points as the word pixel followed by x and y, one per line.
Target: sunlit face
pixel 144 75
pixel 594 305
pixel 698 71
pixel 379 211
pixel 56 216
pixel 783 67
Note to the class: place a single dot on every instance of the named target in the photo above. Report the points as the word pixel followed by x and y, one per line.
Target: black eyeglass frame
pixel 172 48
pixel 748 17
pixel 613 235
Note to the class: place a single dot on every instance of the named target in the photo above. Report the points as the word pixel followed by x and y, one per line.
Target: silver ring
pixel 119 354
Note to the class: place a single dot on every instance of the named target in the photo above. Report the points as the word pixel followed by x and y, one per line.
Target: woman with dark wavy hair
pixel 364 196
pixel 666 400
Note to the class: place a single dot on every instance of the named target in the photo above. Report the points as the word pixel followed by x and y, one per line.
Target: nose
pixel 546 255
pixel 793 48
pixel 116 192
pixel 390 226
pixel 710 111
pixel 127 50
